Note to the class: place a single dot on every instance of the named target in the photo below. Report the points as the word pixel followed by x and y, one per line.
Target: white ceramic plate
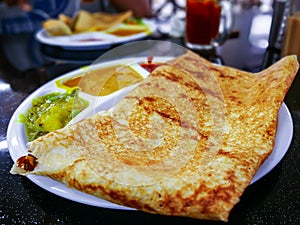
pixel 17 138
pixel 92 40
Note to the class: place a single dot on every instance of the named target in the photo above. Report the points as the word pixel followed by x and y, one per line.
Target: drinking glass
pixel 208 23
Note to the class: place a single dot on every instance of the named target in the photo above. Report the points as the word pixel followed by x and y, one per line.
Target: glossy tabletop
pixel 25 65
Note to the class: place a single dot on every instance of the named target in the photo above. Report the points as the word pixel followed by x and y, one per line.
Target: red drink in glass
pixel 202 21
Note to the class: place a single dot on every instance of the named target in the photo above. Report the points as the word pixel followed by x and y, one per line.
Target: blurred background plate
pixel 92 40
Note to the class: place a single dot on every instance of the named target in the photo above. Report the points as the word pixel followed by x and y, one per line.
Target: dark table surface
pixel 25 65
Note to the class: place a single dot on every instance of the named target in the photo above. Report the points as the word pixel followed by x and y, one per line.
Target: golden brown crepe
pixel 187 141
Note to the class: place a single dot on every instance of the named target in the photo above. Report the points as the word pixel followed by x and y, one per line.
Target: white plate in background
pixel 98 40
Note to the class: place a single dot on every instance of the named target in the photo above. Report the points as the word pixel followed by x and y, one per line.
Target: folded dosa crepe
pixel 187 141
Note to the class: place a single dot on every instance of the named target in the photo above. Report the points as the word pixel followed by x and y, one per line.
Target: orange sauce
pixel 150 66
pixel 126 32
pixel 90 39
pixel 73 82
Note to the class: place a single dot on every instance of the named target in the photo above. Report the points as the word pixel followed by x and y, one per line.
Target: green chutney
pixel 51 112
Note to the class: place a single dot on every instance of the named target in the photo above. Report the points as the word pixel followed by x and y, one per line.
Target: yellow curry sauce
pixel 103 81
pixel 51 112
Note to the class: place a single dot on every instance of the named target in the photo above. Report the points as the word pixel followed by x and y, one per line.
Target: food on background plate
pixel 51 112
pixel 85 21
pixel 186 141
pixel 102 81
pixel 127 30
pixel 65 19
pixel 56 27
